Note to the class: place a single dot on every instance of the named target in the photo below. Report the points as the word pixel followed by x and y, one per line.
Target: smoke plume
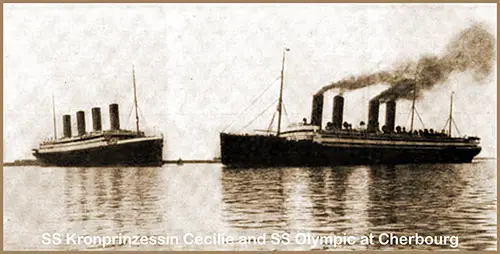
pixel 473 49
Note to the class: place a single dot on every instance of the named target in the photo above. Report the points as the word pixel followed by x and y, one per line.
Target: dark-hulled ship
pixel 308 144
pixel 113 147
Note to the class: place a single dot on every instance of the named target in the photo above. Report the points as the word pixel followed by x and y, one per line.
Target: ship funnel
pixel 338 111
pixel 390 115
pixel 96 119
pixel 317 110
pixel 373 111
pixel 80 122
pixel 67 126
pixel 114 116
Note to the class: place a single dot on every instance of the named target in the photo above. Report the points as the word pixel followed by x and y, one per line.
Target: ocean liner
pixel 113 147
pixel 308 144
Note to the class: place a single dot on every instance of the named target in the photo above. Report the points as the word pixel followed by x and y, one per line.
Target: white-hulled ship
pixel 307 144
pixel 113 147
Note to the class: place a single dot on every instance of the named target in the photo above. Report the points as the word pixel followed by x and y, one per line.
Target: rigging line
pixel 135 101
pixel 129 114
pixel 444 127
pixel 271 124
pixel 142 116
pixel 260 113
pixel 419 118
pixel 253 102
pixel 409 116
pixel 456 127
pixel 286 113
pixel 248 107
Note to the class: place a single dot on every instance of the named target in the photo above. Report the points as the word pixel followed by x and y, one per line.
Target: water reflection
pixel 109 201
pixel 441 199
pixel 254 198
pixel 414 199
pixel 413 195
pixel 291 200
pixel 429 199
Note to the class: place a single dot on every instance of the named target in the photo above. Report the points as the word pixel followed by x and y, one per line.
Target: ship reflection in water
pixel 97 200
pixel 203 199
pixel 431 200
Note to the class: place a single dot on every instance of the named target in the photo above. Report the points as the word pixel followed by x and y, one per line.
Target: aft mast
pixel 280 100
pixel 413 106
pixel 451 114
pixel 54 117
pixel 135 102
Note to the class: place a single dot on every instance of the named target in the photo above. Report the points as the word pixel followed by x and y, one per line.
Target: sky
pixel 199 66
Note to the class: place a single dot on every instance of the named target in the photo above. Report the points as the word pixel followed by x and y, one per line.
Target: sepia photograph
pixel 250 126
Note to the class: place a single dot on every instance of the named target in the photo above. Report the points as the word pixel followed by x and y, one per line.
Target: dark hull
pixel 143 153
pixel 254 150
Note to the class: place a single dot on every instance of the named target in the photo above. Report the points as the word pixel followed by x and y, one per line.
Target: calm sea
pixel 208 200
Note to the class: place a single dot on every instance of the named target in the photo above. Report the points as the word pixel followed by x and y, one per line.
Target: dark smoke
pixel 353 83
pixel 473 49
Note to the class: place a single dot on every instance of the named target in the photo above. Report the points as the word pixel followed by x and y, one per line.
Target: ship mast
pixel 135 102
pixel 280 100
pixel 413 106
pixel 451 114
pixel 54 117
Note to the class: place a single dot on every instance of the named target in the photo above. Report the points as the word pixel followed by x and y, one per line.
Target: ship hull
pixel 254 150
pixel 131 153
